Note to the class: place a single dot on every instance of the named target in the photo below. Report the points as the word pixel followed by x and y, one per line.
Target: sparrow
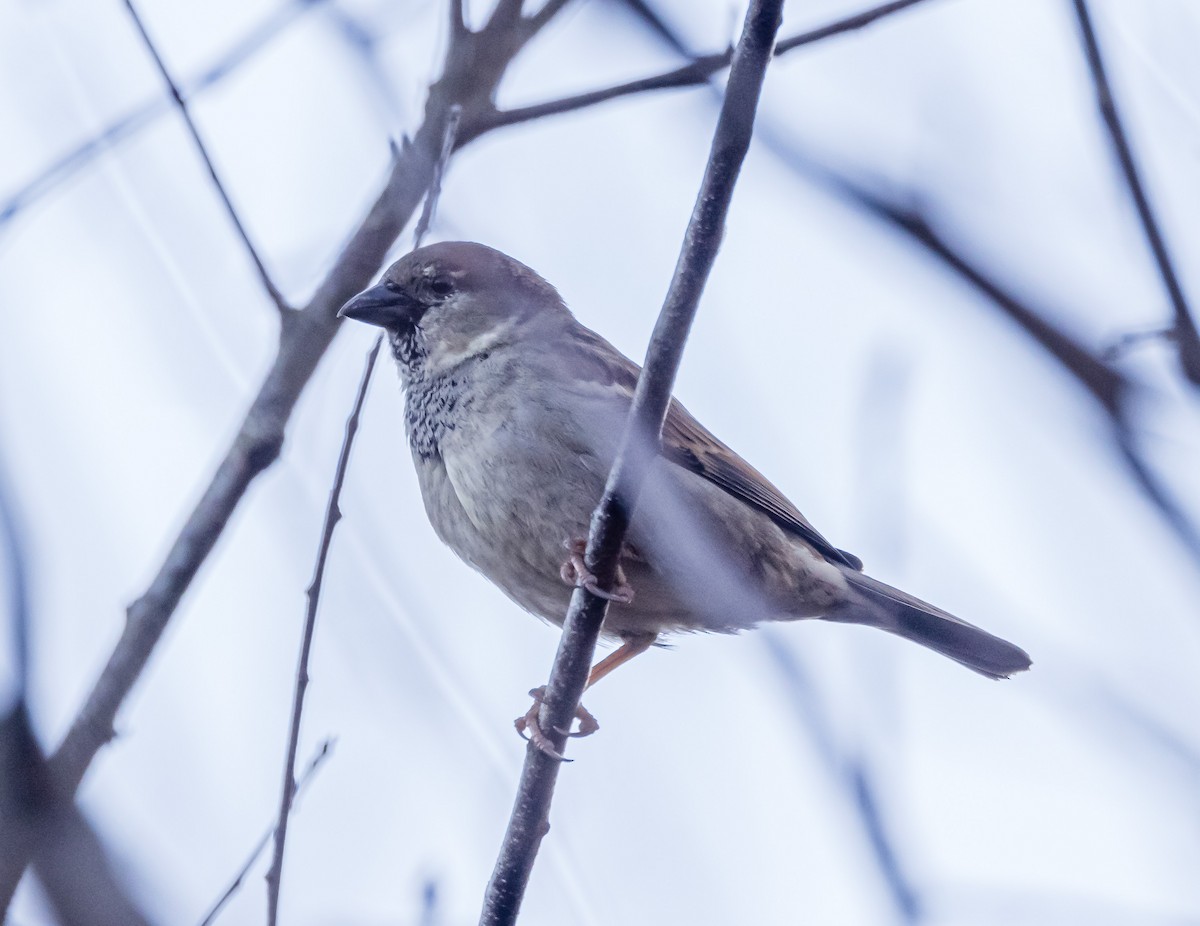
pixel 514 412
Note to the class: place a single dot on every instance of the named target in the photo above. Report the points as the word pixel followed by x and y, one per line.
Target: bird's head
pixel 451 301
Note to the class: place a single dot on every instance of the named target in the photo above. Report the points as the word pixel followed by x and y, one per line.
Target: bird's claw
pixel 529 722
pixel 575 572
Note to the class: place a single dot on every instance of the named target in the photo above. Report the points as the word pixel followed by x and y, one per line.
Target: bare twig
pixel 323 752
pixel 333 514
pixel 693 74
pixel 181 104
pixel 133 122
pixel 439 172
pixel 1187 338
pixel 530 817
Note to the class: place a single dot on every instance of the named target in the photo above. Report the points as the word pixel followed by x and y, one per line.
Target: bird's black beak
pixel 385 306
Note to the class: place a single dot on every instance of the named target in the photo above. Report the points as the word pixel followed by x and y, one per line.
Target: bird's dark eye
pixel 391 286
pixel 442 287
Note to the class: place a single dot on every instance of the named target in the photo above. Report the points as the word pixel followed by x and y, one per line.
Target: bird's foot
pixel 529 723
pixel 575 572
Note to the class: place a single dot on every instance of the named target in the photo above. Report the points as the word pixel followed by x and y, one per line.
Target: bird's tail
pixel 877 605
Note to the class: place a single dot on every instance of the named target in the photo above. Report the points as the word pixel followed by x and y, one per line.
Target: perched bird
pixel 514 411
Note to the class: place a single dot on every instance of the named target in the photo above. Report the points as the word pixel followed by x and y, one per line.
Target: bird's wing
pixel 690 445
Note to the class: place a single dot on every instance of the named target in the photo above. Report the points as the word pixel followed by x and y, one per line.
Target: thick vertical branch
pixel 1186 337
pixel 530 817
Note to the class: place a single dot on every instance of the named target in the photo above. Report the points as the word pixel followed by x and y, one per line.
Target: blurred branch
pixel 1107 385
pixel 181 105
pixel 853 775
pixel 125 127
pixel 1104 383
pixel 1186 338
pixel 731 140
pixel 40 822
pixel 453 117
pixel 333 514
pixel 315 763
pixel 36 820
pixel 694 74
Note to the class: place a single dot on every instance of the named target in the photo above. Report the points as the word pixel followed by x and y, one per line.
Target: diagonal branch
pixel 1186 337
pixel 530 818
pixel 314 764
pixel 549 10
pixel 695 73
pixel 181 104
pixel 117 131
pixel 1107 385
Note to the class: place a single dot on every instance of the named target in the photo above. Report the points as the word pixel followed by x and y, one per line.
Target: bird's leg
pixel 529 722
pixel 575 572
pixel 633 646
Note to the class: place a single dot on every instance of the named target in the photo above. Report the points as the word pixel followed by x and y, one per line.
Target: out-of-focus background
pixel 805 773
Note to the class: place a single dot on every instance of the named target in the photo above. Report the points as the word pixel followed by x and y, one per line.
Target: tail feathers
pixel 880 605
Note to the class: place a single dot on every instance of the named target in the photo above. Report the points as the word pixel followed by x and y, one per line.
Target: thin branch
pixel 530 817
pixel 323 752
pixel 333 514
pixel 439 172
pixel 133 122
pixel 1186 336
pixel 849 24
pixel 181 104
pixel 695 73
